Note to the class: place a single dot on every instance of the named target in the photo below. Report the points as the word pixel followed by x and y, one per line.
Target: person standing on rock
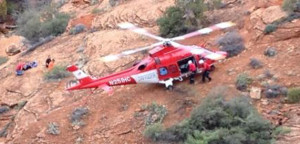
pixel 192 69
pixel 48 60
pixel 206 70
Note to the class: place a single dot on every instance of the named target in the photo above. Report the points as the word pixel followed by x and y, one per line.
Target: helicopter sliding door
pixel 183 64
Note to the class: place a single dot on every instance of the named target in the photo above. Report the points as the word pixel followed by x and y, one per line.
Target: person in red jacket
pixel 192 69
pixel 19 68
pixel 206 70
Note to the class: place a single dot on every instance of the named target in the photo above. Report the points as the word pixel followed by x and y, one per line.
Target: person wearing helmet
pixel 206 70
pixel 192 69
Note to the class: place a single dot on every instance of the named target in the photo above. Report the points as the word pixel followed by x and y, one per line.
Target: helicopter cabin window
pixel 142 66
pixel 163 71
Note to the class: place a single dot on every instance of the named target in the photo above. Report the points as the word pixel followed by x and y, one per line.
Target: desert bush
pixel 156 113
pixel 273 91
pixel 93 2
pixel 193 12
pixel 53 128
pixel 293 95
pixel 172 23
pixel 153 131
pixel 3 109
pixel 3 131
pixel 114 2
pixel 268 74
pixel 255 63
pixel 77 115
pixel 3 60
pixel 96 11
pixel 214 4
pixel 183 17
pixel 291 6
pixel 3 9
pixel 242 81
pixel 58 72
pixel 77 29
pixel 11 7
pixel 232 43
pixel 21 104
pixel 216 120
pixel 270 28
pixel 34 24
pixel 282 130
pixel 270 52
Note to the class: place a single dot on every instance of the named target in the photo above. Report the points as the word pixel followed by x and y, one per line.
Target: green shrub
pixel 3 9
pixel 153 131
pixel 291 6
pixel 294 95
pixel 216 120
pixel 57 73
pixel 3 131
pixel 11 7
pixel 155 113
pixel 3 109
pixel 3 60
pixel 273 91
pixel 172 23
pixel 242 81
pixel 282 130
pixel 270 52
pixel 270 28
pixel 53 128
pixel 113 2
pixel 78 113
pixel 77 29
pixel 183 17
pixel 93 2
pixel 214 4
pixel 255 63
pixel 60 3
pixel 21 105
pixel 96 11
pixel 34 24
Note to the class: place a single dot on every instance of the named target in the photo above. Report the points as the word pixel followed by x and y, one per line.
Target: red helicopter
pixel 167 62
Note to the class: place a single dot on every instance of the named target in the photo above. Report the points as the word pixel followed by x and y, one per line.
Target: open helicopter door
pixel 183 64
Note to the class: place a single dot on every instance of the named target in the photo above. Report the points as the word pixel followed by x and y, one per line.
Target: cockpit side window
pixel 142 66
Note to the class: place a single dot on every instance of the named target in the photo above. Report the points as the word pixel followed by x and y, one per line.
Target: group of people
pixel 24 66
pixel 205 67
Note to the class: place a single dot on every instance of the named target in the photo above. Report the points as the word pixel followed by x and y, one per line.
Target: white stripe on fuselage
pixel 79 74
pixel 146 77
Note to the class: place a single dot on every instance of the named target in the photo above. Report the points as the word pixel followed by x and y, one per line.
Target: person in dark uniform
pixel 48 60
pixel 192 69
pixel 206 70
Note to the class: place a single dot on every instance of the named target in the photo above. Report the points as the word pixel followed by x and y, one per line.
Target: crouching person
pixel 19 69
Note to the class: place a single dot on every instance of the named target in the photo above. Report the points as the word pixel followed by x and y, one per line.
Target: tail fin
pixel 80 75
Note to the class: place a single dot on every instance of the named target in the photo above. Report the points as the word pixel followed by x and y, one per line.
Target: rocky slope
pixel 111 118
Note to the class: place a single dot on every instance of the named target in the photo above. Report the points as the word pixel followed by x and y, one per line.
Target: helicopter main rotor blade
pixel 197 50
pixel 203 31
pixel 132 27
pixel 129 52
